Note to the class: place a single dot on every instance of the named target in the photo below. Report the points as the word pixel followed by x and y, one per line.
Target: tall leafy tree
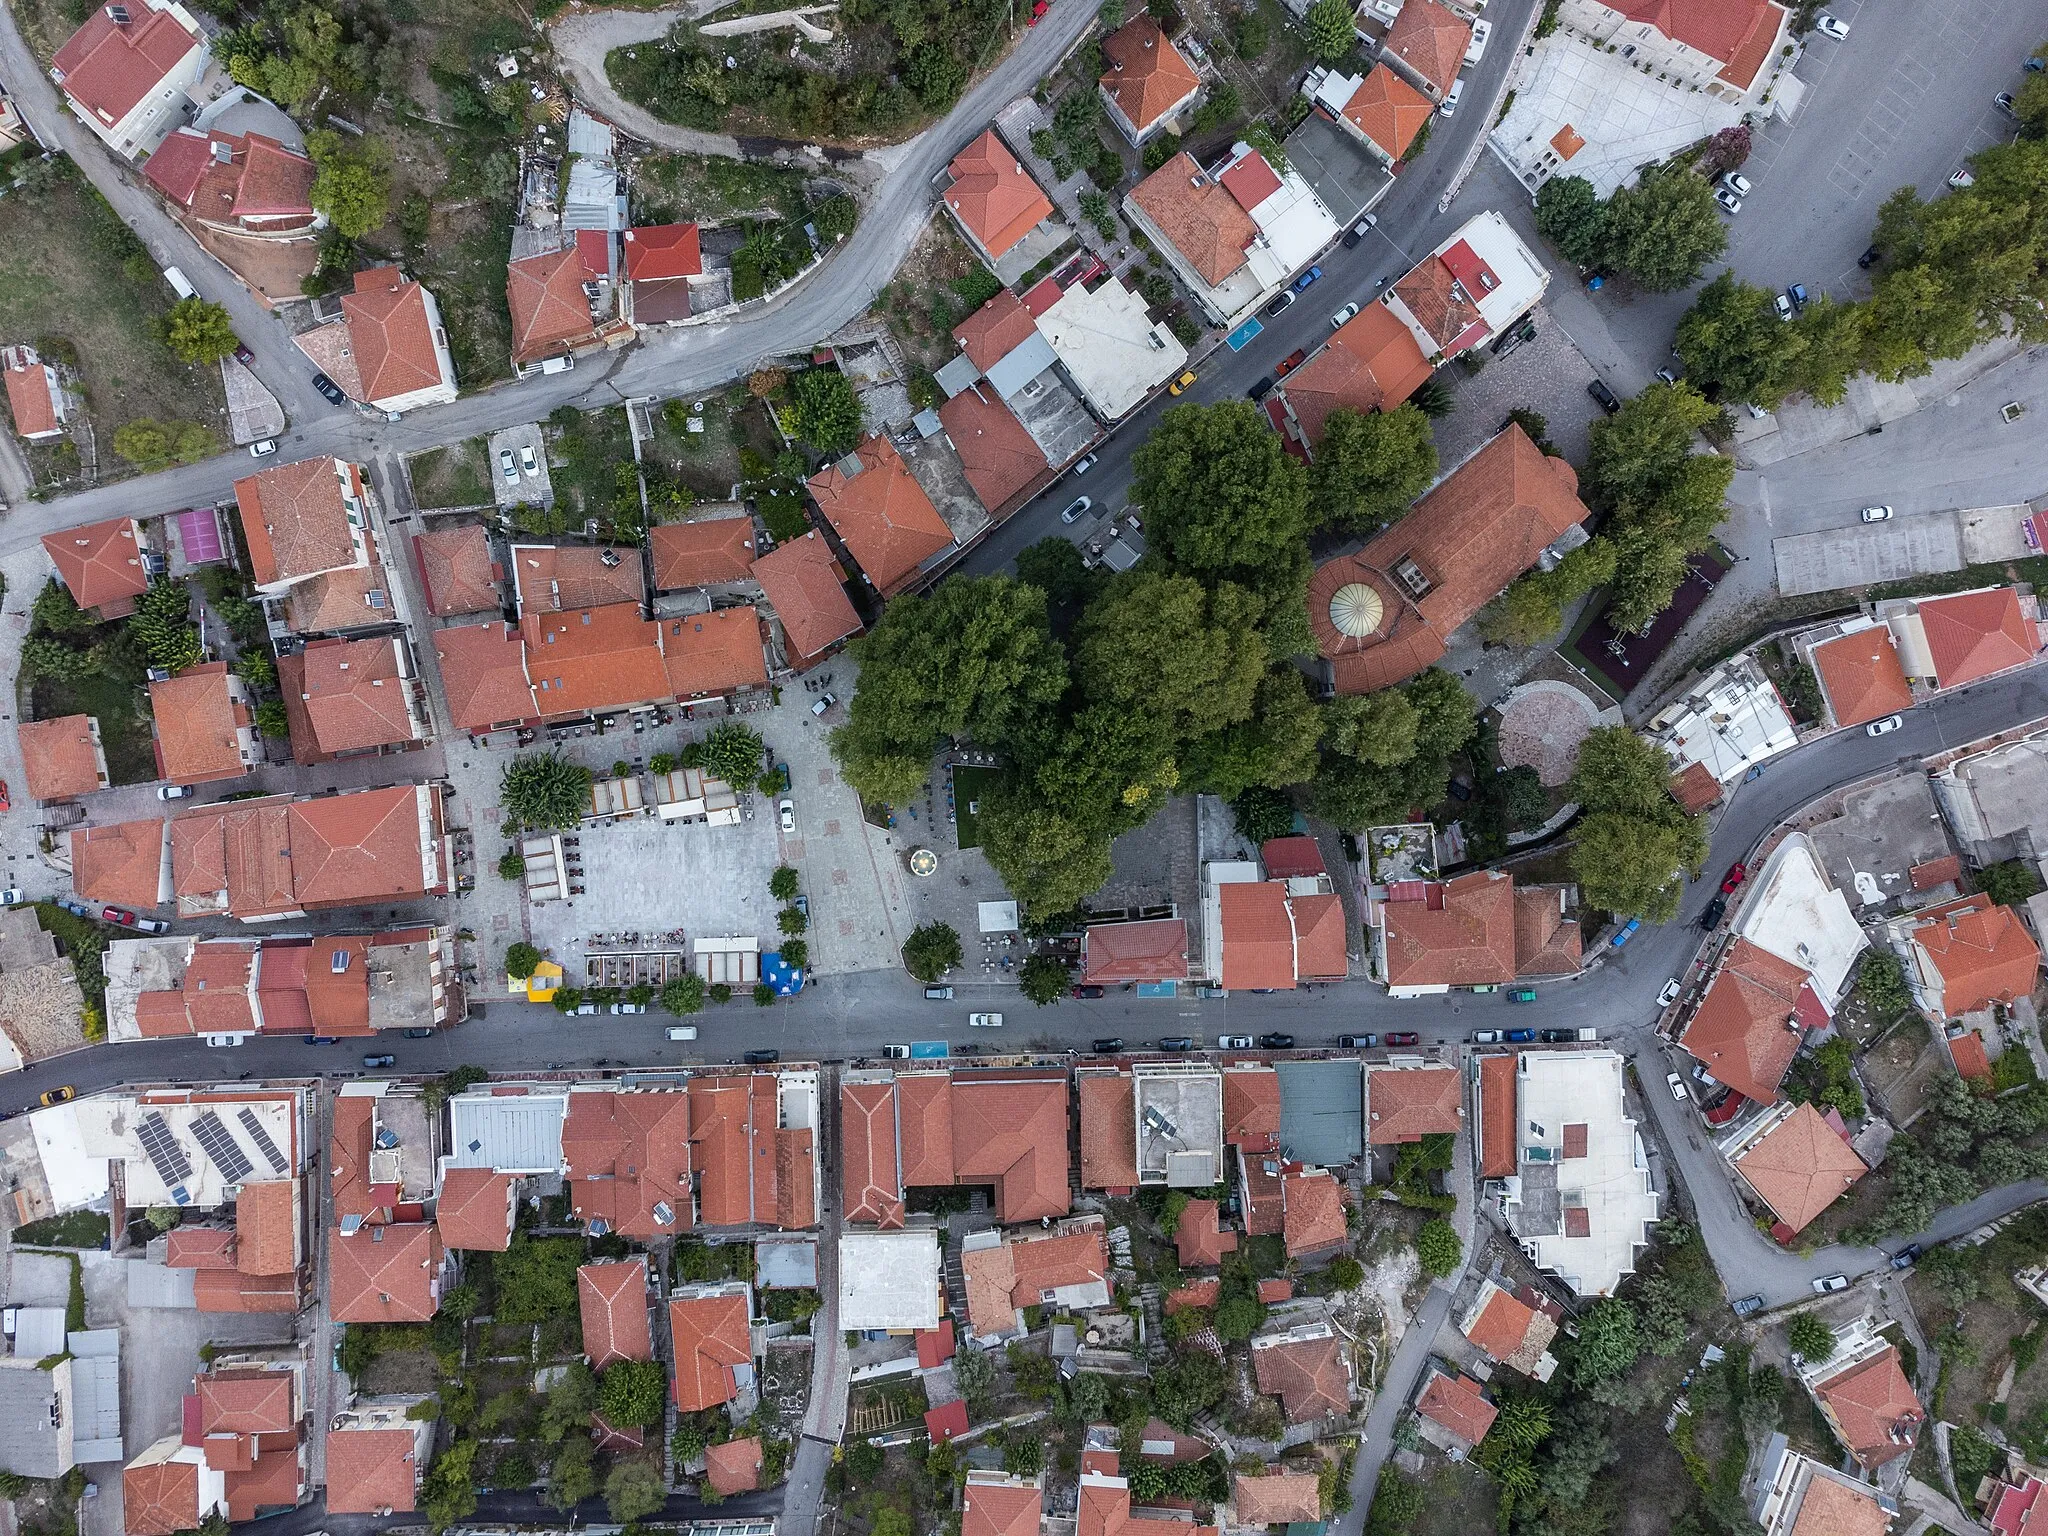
pixel 1330 31
pixel 1665 229
pixel 1633 846
pixel 1223 501
pixel 1275 747
pixel 545 789
pixel 1162 647
pixel 1572 218
pixel 199 332
pixel 1734 345
pixel 351 182
pixel 1370 466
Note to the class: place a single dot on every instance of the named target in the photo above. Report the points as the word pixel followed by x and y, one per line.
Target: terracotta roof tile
pixel 1741 70
pixel 734 1466
pixel 713 653
pixel 1155 950
pixel 392 333
pixel 882 514
pixel 993 196
pixel 1258 937
pixel 457 570
pixel 474 1211
pixel 295 520
pixel 662 251
pixel 1312 1206
pixel 995 330
pixel 612 1298
pixel 1695 788
pixel 344 696
pixel 1002 462
pixel 1974 634
pixel 1008 1276
pixel 550 311
pixel 1012 1133
pixel 31 395
pixel 1742 1028
pixel 1205 1292
pixel 703 552
pixel 61 758
pixel 239 1401
pixel 997 1509
pixel 1371 363
pixel 1441 304
pixel 1873 1409
pixel 555 578
pixel 1408 1103
pixel 1799 1167
pixel 1109 1131
pixel 160 1499
pixel 1147 77
pixel 627 1154
pixel 1973 1062
pixel 1251 1107
pixel 1982 952
pixel 1547 943
pixel 871 1189
pixel 1457 1404
pixel 1935 873
pixel 803 583
pixel 200 1248
pixel 594 658
pixel 1307 1375
pixel 1278 1498
pixel 1497 1123
pixel 1717 28
pixel 1461 934
pixel 1511 1331
pixel 483 675
pixel 384 1274
pixel 267 1227
pixel 1321 937
pixel 1291 858
pixel 200 717
pixel 109 67
pixel 1861 676
pixel 1389 111
pixel 369 1470
pixel 1197 216
pixel 1832 1507
pixel 1431 39
pixel 100 564
pixel 220 1290
pixel 711 1336
pixel 1201 1239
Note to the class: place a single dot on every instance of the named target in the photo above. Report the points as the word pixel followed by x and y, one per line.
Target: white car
pixel 1476 49
pixel 1670 993
pixel 1737 183
pixel 1677 1086
pixel 221 1042
pixel 618 1008
pixel 1876 514
pixel 895 1052
pixel 263 448
pixel 1727 200
pixel 1783 305
pixel 682 1032
pixel 1828 26
pixel 174 792
pixel 529 463
pixel 506 467
pixel 1344 316
pixel 1885 726
pixel 1826 1283
pixel 1233 1042
pixel 785 812
pixel 1450 101
pixel 1075 508
pixel 11 897
pixel 985 1020
pixel 1082 466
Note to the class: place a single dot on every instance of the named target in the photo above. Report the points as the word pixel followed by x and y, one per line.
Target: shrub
pixel 520 960
pixel 511 865
pixel 1438 1248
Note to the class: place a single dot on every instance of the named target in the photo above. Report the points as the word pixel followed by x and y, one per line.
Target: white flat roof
pixel 1794 913
pixel 76 1141
pixel 888 1280
pixel 1521 276
pixel 1115 354
pixel 1295 225
pixel 1732 721
pixel 1611 1182
pixel 513 1133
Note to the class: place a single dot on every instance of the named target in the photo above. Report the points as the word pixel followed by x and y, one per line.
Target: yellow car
pixel 62 1095
pixel 1180 383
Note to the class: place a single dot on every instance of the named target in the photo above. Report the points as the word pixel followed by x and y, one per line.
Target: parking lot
pixel 532 487
pixel 1862 553
pixel 1548 375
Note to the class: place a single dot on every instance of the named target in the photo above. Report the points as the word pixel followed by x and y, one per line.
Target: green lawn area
pixel 670 187
pixel 122 710
pixel 74 1229
pixel 971 785
pixel 455 476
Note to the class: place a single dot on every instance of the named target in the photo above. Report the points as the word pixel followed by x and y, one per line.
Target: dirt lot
pixel 1900 1067
pixel 708 462
pixel 1972 1386
pixel 68 286
pixel 926 300
pixel 667 188
pixel 455 476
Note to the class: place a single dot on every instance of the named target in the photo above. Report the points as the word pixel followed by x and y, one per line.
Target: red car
pixel 1737 873
pixel 1290 362
pixel 5 803
pixel 1038 12
pixel 120 915
pixel 1404 1039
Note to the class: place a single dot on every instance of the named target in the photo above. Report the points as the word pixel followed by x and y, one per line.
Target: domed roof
pixel 1356 610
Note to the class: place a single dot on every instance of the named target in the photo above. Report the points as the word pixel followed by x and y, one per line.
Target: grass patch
pixel 122 710
pixel 969 786
pixel 74 1229
pixel 452 477
pixel 668 188
pixel 2032 569
pixel 589 450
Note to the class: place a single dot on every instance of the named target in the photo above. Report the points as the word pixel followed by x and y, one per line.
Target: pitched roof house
pixel 236 183
pixel 1384 614
pixel 1153 950
pixel 483 676
pixel 806 590
pixel 1427 42
pixel 1007 1272
pixel 1147 80
pixel 881 514
pixel 713 1343
pixel 703 552
pixel 62 758
pixel 992 197
pixel 1458 932
pixel 1307 1370
pixel 1860 676
pixel 1749 1023
pixel 551 313
pixel 399 343
pixel 475 1210
pixel 457 571
pixel 1796 1162
pixel 995 1505
pixel 1872 1408
pixel 1277 1498
pixel 304 520
pixel 1717 46
pixel 204 724
pixel 612 1297
pixel 127 70
pixel 35 395
pixel 1456 1405
pixel 1372 362
pixel 734 1466
pixel 100 565
pixel 121 864
pixel 275 856
pixel 660 261
pixel 1387 113
pixel 1409 1103
pixel 1973 635
pixel 1968 954
pixel 343 698
pixel 1312 1213
pixel 1200 1238
pixel 1509 1329
pixel 370 1470
pixel 1198 216
pixel 385 1273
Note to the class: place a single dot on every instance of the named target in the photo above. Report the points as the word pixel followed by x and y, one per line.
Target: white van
pixel 179 284
pixel 1451 101
pixel 682 1032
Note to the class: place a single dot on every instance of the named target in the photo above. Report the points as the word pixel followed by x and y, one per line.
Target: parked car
pixel 247 358
pixel 1885 726
pixel 1557 1036
pixel 1175 1043
pixel 506 467
pixel 1344 316
pixel 1404 1037
pixel 1360 230
pixel 1083 465
pixel 1521 994
pixel 1869 258
pixel 1728 200
pixel 1670 993
pixel 1263 388
pixel 824 703
pixel 1716 910
pixel 1962 176
pixel 1476 49
pixel 1737 183
pixel 330 389
pixel 1783 305
pixel 1747 1306
pixel 2004 102
pixel 57 1096
pixel 1275 1041
pixel 1876 514
pixel 380 1063
pixel 74 906
pixel 1233 1042
pixel 528 463
pixel 1906 1257
pixel 428 1034
pixel 322 1039
pixel 1281 300
pixel 1487 1037
pixel 1628 931
pixel 1521 1036
pixel 1089 992
pixel 1181 383
pixel 1677 1086
pixel 1827 1284
pixel 1301 283
pixel 1700 1074
pixel 1451 98
pixel 1828 26
pixel 1609 401
pixel 174 792
pixel 263 448
pixel 152 925
pixel 1212 992
pixel 1667 375
pixel 1076 509
pixel 761 1058
pixel 11 897
pixel 985 1020
pixel 938 994
pixel 1797 294
pixel 120 916
pixel 689 1032
pixel 1737 873
pixel 1290 362
pixel 1106 1045
pixel 785 814
pixel 1358 1042
pixel 618 1008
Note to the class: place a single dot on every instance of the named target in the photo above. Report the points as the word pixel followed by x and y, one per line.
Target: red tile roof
pixel 369 1470
pixel 1251 1107
pixel 995 330
pixel 1974 634
pixel 1461 933
pixel 392 335
pixel 1873 1409
pixel 198 717
pixel 1409 1103
pixel 871 1188
pixel 1431 39
pixel 1002 462
pixel 343 696
pixel 1742 1029
pixel 457 570
pixel 1321 937
pixel 627 1153
pixel 882 514
pixel 1312 1206
pixel 1861 676
pixel 1547 943
pixel 1199 1238
pixel 1291 858
pixel 1250 180
pixel 804 584
pixel 109 67
pixel 1389 111
pixel 1012 1133
pixel 947 1422
pixel 1945 870
pixel 554 578
pixel 662 250
pixel 475 1209
pixel 1497 1123
pixel 612 1298
pixel 997 1509
pixel 1799 1167
pixel 1146 76
pixel 1695 788
pixel 1371 363
pixel 100 564
pixel 1154 950
pixel 710 1336
pixel 240 1401
pixel 1511 1331
pixel 295 519
pixel 61 758
pixel 734 1466
pixel 161 1498
pixel 1717 28
pixel 1197 216
pixel 384 1274
pixel 1307 1375
pixel 31 396
pixel 1982 952
pixel 1468 538
pixel 712 653
pixel 483 675
pixel 594 658
pixel 935 1346
pixel 1750 53
pixel 1008 1276
pixel 702 553
pixel 267 1227
pixel 1109 1131
pixel 550 311
pixel 1278 1498
pixel 1457 1404
pixel 1257 935
pixel 993 196
pixel 1972 1061
pixel 200 1248
pixel 261 183
pixel 1196 1293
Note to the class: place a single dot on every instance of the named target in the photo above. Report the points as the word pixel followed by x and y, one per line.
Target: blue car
pixel 1301 283
pixel 1628 931
pixel 1521 1036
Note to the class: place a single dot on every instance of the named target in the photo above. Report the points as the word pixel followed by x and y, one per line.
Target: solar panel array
pixel 165 1155
pixel 221 1146
pixel 253 1128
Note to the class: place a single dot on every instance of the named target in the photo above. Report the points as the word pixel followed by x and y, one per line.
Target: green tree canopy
pixel 1619 771
pixel 1330 33
pixel 630 1393
pixel 1223 501
pixel 351 182
pixel 1043 978
pixel 1370 466
pixel 1275 747
pixel 684 995
pixel 1163 648
pixel 1437 1247
pixel 1735 346
pixel 827 410
pixel 199 332
pixel 1572 218
pixel 1665 229
pixel 733 752
pixel 1608 1342
pixel 544 790
pixel 520 960
pixel 1810 1337
pixel 931 951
